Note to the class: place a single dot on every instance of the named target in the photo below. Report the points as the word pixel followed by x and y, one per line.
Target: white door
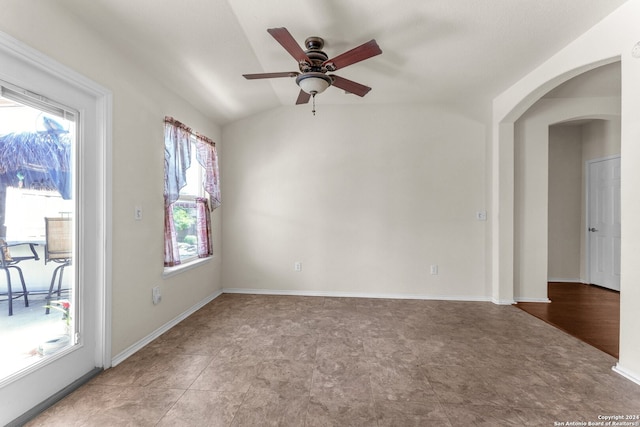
pixel 40 82
pixel 603 222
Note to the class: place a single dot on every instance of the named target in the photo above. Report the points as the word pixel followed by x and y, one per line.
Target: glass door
pixel 38 308
pixel 54 222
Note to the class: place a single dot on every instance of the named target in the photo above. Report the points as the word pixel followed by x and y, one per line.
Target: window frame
pixel 191 198
pixel 178 156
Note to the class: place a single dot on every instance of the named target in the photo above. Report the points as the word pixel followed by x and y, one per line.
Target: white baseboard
pixel 353 294
pixel 128 352
pixel 545 300
pixel 632 376
pixel 503 301
pixel 565 280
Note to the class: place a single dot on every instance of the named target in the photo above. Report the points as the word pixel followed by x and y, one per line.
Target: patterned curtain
pixel 177 158
pixel 171 252
pixel 203 222
pixel 208 158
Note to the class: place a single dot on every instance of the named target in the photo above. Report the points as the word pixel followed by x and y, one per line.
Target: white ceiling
pixel 456 53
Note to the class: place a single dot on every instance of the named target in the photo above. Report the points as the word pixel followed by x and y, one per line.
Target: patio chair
pixel 7 262
pixel 58 249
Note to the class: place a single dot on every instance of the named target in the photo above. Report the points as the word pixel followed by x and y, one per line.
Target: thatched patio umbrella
pixel 39 160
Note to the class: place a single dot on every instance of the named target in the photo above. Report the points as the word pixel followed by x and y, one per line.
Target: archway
pixel 584 102
pixel 507 110
pixel 615 38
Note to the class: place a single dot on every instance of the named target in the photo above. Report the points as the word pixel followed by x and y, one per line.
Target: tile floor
pixel 246 360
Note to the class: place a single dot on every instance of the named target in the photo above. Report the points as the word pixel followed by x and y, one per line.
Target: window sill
pixel 172 271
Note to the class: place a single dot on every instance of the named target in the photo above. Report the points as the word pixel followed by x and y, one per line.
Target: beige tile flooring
pixel 247 360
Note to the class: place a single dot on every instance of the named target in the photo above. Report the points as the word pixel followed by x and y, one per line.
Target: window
pixel 185 216
pixel 191 172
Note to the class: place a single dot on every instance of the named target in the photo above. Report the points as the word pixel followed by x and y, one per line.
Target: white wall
pixel 565 202
pixel 600 138
pixel 367 198
pixel 140 104
pixel 629 363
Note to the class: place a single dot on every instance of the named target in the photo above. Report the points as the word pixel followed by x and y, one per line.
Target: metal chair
pixel 58 249
pixel 7 262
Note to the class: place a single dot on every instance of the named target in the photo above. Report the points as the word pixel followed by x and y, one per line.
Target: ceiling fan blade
pixel 270 75
pixel 284 37
pixel 357 54
pixel 303 97
pixel 349 86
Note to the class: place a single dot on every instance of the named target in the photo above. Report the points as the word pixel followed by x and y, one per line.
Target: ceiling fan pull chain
pixel 314 104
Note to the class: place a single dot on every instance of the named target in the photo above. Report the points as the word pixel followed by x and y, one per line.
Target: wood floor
pixel 589 313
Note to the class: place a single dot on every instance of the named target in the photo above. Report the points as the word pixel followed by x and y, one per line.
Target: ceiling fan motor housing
pixel 314 52
pixel 313 79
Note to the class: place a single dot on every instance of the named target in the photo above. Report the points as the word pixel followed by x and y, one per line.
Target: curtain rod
pixel 174 122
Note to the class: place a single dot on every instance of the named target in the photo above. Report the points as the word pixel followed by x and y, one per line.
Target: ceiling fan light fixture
pixel 313 83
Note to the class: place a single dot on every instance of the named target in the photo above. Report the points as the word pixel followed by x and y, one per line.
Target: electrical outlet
pixel 434 269
pixel 481 215
pixel 156 295
pixel 297 266
pixel 137 213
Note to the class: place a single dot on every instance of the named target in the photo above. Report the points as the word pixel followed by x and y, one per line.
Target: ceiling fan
pixel 314 65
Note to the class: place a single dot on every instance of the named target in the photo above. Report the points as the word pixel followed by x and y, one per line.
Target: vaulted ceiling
pixel 455 53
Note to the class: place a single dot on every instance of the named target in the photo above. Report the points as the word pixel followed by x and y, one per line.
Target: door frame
pixel 102 105
pixel 588 235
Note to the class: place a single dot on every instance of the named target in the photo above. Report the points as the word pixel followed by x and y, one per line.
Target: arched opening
pixel 576 122
pixel 508 109
pixel 554 141
pixel 611 40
